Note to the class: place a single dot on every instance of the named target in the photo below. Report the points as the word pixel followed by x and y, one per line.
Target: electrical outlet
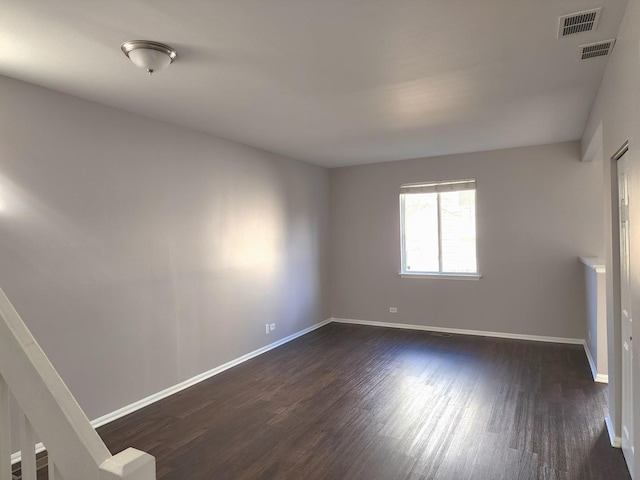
pixel 393 309
pixel 266 327
pixel 589 332
pixel 272 327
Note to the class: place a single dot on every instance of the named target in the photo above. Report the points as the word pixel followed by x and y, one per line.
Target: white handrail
pixel 53 413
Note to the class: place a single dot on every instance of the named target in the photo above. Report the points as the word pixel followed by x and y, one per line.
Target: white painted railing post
pixel 5 432
pixel 28 449
pixel 130 464
pixel 52 471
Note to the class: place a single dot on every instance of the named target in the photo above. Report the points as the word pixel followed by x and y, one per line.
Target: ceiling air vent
pixel 586 21
pixel 598 49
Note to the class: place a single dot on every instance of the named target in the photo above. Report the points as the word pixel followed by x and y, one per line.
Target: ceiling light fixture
pixel 152 56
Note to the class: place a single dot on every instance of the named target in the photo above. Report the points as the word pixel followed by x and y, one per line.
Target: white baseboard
pixel 126 410
pixel 597 377
pixel 459 331
pixel 16 457
pixel 616 442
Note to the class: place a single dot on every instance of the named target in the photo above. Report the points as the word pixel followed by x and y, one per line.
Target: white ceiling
pixel 331 82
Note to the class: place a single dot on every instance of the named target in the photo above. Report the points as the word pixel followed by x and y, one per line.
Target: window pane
pixel 421 232
pixel 458 224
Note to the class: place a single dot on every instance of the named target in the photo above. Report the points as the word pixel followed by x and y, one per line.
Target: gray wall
pixel 617 108
pixel 141 254
pixel 538 209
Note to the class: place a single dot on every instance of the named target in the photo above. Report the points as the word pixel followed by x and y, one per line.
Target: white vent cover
pixel 594 50
pixel 586 21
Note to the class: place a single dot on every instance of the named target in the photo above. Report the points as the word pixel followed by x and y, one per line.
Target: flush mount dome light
pixel 152 56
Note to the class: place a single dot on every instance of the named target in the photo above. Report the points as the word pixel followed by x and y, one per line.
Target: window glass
pixel 421 232
pixel 439 227
pixel 458 220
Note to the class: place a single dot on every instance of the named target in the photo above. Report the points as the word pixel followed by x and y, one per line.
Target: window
pixel 438 222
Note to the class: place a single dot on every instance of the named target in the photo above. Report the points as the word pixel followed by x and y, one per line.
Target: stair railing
pixel 48 412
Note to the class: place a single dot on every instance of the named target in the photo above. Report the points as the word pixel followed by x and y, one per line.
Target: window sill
pixel 443 276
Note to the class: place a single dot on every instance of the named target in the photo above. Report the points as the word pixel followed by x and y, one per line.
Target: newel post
pixel 130 464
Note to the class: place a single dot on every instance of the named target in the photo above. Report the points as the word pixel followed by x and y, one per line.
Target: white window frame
pixel 437 187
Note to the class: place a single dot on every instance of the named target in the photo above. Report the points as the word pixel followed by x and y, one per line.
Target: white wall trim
pixel 598 377
pixel 595 263
pixel 459 331
pixel 16 457
pixel 442 276
pixel 616 442
pixel 127 409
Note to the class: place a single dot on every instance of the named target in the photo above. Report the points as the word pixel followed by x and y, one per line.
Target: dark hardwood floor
pixel 355 402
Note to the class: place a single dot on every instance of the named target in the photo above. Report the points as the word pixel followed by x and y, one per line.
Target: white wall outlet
pixel 266 327
pixel 393 309
pixel 589 333
pixel 272 327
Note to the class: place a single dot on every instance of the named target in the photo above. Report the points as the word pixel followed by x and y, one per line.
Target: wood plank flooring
pixel 356 402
